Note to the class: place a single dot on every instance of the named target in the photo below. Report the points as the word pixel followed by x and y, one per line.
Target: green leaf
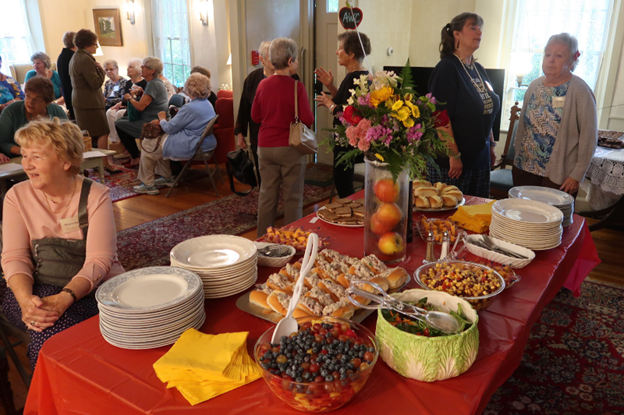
pixel 406 76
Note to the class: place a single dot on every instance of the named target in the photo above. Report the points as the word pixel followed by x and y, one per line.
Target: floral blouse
pixel 542 118
pixel 114 92
pixel 9 90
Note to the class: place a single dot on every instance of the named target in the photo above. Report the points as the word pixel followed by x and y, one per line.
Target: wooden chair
pixel 500 176
pixel 201 155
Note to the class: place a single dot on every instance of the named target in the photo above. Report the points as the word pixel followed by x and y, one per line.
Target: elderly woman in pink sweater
pixel 59 239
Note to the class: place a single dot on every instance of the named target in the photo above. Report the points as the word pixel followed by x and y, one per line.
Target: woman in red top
pixel 274 109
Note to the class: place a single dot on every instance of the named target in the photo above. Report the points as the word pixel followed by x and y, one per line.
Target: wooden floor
pixel 144 208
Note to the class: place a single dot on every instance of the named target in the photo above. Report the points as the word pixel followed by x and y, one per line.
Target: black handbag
pixel 241 167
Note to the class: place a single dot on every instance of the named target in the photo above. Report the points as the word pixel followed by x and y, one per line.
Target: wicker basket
pixel 274 262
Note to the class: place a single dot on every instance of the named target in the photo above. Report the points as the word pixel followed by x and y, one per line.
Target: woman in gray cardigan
pixel 557 133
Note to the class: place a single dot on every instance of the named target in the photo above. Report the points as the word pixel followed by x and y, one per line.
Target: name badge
pixel 116 88
pixel 557 102
pixel 70 225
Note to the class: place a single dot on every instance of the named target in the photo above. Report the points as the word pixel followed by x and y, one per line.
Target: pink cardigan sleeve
pixel 16 246
pixel 101 238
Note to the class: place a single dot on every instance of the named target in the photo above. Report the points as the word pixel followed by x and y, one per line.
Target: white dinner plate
pixel 152 288
pixel 527 211
pixel 541 194
pixel 214 251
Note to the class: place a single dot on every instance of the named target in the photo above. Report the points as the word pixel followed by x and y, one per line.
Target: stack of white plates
pixel 534 225
pixel 226 264
pixel 561 200
pixel 150 307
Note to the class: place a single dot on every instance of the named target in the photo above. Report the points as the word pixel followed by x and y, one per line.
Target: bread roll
pixel 259 298
pixel 420 183
pixel 449 201
pixel 397 277
pixel 435 202
pixel 275 304
pixel 325 289
pixel 298 313
pixel 344 312
pixel 421 202
pixel 449 188
pixel 440 186
pixel 426 191
pixel 343 280
pixel 456 194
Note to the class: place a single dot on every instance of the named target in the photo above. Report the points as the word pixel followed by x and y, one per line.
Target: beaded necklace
pixel 488 105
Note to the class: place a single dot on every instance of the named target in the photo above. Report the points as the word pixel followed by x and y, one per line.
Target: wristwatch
pixel 457 156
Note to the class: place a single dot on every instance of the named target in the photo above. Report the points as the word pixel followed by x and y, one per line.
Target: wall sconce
pixel 131 8
pixel 229 62
pixel 203 12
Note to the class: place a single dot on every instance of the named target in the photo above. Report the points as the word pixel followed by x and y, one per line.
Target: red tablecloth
pixel 79 373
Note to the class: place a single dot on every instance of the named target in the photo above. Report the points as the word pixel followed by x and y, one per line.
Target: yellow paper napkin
pixel 202 366
pixel 475 218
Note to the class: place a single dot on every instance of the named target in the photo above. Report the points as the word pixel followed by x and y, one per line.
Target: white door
pixel 254 21
pixel 326 45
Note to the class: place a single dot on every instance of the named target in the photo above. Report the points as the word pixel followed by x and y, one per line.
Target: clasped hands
pixel 40 313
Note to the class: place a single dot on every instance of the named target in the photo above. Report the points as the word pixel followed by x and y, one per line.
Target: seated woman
pixel 151 102
pixel 41 66
pixel 59 239
pixel 182 135
pixel 119 109
pixel 557 131
pixel 10 90
pixel 37 104
pixel 115 86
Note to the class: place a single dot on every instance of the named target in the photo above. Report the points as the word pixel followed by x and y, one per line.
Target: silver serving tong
pixel 436 319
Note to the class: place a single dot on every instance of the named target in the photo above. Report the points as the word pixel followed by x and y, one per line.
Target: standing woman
pixel 41 66
pixel 350 55
pixel 464 90
pixel 87 77
pixel 62 66
pixel 280 164
pixel 558 132
pixel 151 102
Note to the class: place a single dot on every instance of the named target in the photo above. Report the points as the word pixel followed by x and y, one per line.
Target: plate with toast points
pixel 343 212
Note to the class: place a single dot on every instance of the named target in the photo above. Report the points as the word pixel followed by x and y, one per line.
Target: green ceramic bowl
pixel 424 358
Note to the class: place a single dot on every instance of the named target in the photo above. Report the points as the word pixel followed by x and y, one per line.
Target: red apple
pixel 387 190
pixel 388 214
pixel 390 243
pixel 377 226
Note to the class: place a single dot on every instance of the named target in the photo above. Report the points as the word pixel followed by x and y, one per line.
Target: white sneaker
pixel 145 189
pixel 161 181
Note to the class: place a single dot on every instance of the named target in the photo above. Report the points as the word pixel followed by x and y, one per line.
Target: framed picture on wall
pixel 108 27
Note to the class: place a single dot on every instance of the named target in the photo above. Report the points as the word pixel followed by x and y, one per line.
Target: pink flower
pixel 431 98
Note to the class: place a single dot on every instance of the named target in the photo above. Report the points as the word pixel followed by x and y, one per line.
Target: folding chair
pixel 201 155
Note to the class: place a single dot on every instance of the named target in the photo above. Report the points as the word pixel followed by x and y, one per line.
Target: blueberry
pixel 329 378
pixel 306 358
pixel 299 379
pixel 315 350
pixel 306 375
pixel 313 375
pixel 371 349
pixel 265 366
pixel 361 354
pixel 342 369
pixel 324 373
pixel 331 367
pixel 343 376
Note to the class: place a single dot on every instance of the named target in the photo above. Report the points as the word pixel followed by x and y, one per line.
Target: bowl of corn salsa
pixel 476 283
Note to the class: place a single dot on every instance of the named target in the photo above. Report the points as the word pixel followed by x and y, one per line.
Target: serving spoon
pixel 436 319
pixel 288 324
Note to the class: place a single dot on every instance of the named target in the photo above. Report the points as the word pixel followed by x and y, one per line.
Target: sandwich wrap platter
pixel 245 305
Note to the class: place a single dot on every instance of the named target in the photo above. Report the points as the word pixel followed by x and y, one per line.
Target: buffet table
pixel 78 372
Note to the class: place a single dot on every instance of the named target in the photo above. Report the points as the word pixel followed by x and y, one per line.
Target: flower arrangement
pixel 388 122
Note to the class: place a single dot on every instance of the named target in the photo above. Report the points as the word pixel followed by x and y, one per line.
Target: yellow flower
pixel 397 105
pixel 408 97
pixel 409 123
pixel 414 108
pixel 379 157
pixel 380 95
pixel 402 114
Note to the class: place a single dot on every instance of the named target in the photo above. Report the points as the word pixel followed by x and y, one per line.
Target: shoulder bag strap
pixel 296 104
pixel 83 217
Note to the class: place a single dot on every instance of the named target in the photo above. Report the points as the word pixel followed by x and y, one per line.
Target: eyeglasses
pixel 34 100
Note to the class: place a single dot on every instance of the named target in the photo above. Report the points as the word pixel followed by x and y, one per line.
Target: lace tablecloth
pixel 604 181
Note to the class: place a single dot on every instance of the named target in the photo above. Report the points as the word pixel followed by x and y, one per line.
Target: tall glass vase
pixel 385 222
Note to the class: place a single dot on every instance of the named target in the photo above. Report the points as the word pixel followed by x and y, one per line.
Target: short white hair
pixel 568 41
pixel 281 50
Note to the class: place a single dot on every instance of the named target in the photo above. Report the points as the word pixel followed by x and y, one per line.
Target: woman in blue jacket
pixel 182 133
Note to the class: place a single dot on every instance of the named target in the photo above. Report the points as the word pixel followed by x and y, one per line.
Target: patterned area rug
pixel 574 360
pixel 149 244
pixel 120 185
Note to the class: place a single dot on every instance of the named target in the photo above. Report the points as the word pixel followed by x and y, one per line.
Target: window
pixel 15 37
pixel 171 38
pixel 535 21
pixel 332 6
